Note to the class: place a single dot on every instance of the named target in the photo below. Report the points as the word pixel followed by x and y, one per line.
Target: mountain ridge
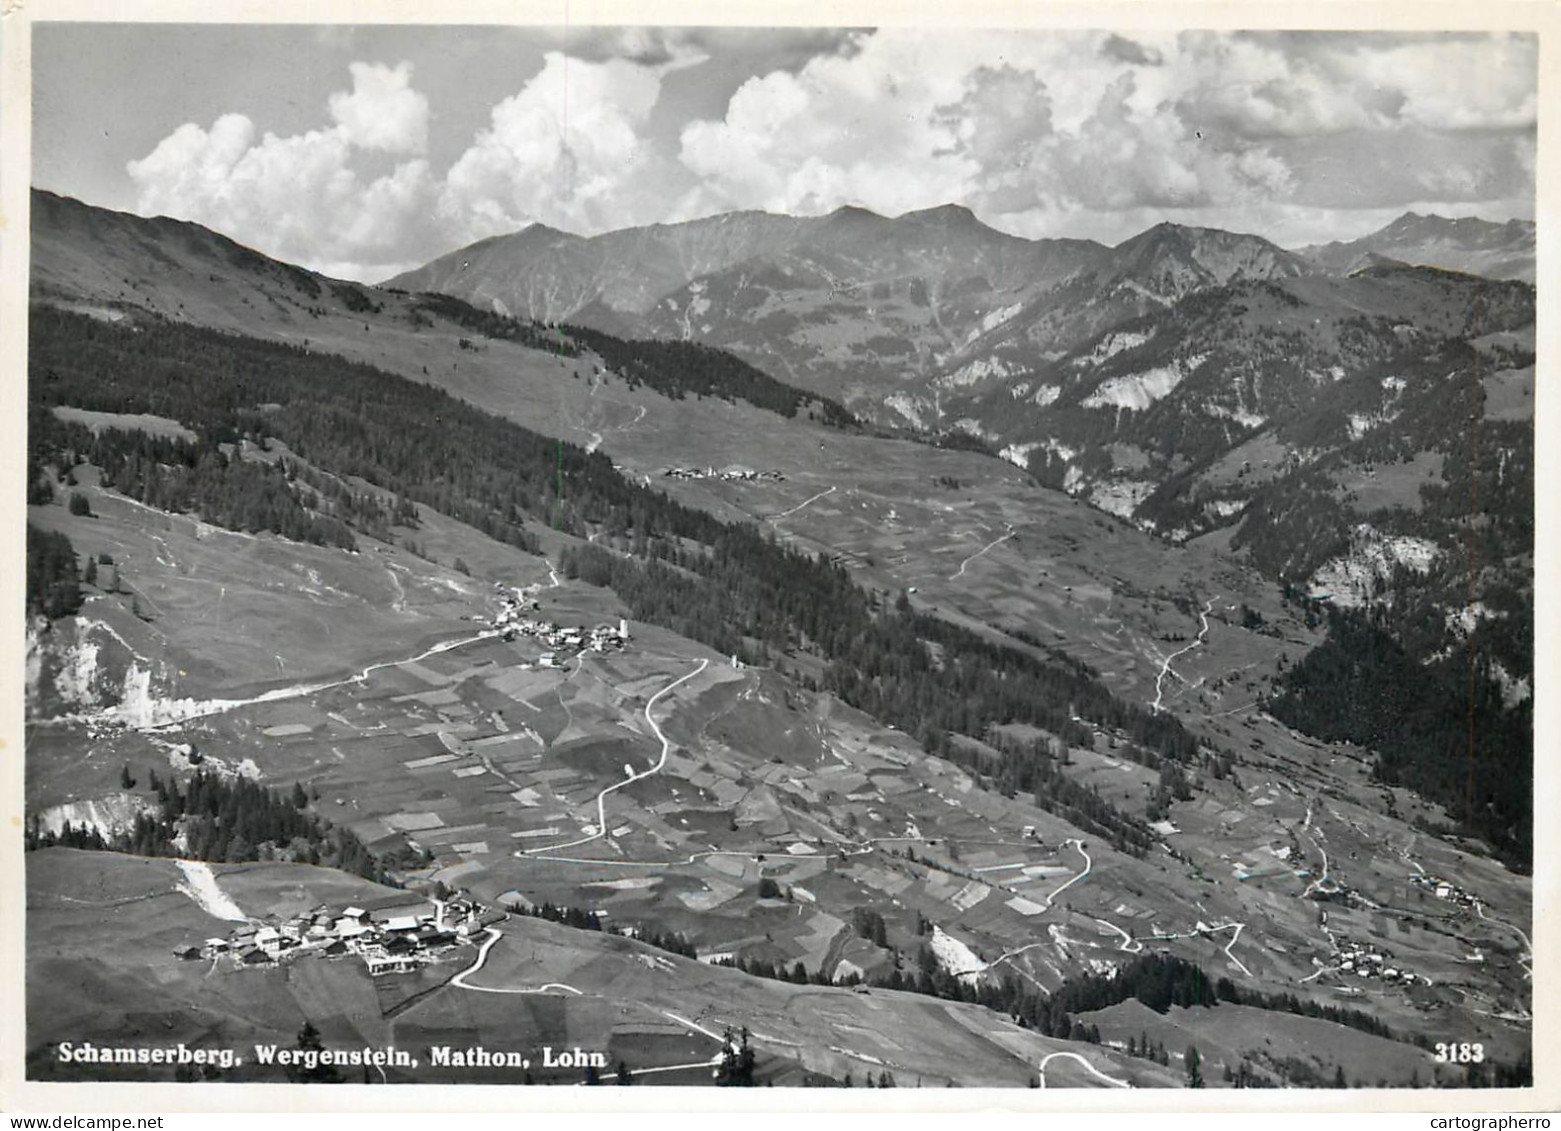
pixel 1497 250
pixel 882 313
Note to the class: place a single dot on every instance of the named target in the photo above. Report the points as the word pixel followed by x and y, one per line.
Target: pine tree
pixel 1194 1065
pixel 309 1041
pixel 737 1061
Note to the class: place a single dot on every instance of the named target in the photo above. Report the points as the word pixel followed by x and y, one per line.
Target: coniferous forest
pixel 1442 730
pixel 53 583
pixel 676 369
pixel 227 820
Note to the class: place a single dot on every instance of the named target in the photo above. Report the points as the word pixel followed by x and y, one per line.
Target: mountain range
pixel 1124 375
pixel 1188 380
pixel 873 310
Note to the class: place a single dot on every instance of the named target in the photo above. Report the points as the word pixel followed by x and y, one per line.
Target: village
pixel 733 473
pixel 1364 961
pixel 396 938
pixel 564 640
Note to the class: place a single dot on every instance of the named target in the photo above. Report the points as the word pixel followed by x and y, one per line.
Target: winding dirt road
pixel 601 798
pixel 1165 667
pixel 990 545
pixel 494 935
pixel 803 503
pixel 1088 1067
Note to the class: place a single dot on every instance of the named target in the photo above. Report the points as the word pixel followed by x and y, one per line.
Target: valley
pixel 862 896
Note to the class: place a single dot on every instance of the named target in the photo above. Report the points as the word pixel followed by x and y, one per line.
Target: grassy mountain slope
pixel 939 590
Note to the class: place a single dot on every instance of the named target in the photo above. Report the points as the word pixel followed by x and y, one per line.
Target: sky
pixel 363 151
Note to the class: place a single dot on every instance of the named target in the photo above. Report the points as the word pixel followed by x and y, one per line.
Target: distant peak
pixel 1416 223
pixel 1167 230
pixel 538 230
pixel 854 212
pixel 1411 221
pixel 1160 233
pixel 943 214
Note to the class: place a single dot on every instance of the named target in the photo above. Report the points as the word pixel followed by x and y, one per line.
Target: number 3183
pixel 1464 1053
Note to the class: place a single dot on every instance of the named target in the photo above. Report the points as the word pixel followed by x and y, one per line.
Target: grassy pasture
pixel 1225 1035
pixel 1509 394
pixel 1390 484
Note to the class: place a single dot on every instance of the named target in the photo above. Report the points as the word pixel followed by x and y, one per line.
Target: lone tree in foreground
pixel 1194 1067
pixel 309 1041
pixel 737 1060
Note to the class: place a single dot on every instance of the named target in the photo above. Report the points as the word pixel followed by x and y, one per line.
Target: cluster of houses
pixel 1361 961
pixel 1444 889
pixel 734 471
pixel 393 940
pixel 564 640
pixel 1327 889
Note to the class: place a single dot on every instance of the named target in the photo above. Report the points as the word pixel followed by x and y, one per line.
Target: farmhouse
pixel 1443 889
pixel 269 939
pixel 380 961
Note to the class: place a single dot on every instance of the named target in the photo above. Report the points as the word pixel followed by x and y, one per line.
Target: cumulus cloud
pixel 567 151
pixel 1085 133
pixel 864 130
pixel 1123 159
pixel 302 197
pixel 382 111
pixel 911 122
pixel 1035 126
